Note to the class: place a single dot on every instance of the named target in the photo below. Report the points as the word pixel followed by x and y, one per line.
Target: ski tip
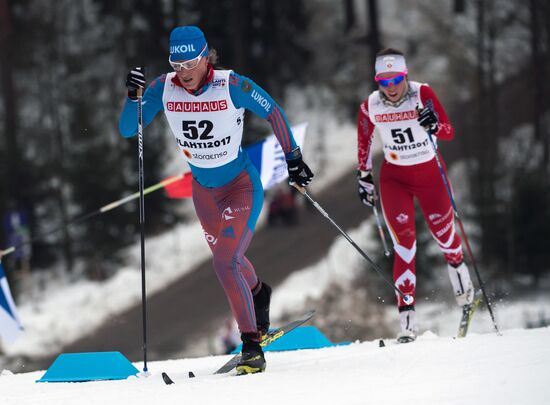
pixel 191 374
pixel 167 380
pixel 381 343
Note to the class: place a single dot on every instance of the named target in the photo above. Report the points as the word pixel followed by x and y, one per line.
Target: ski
pixel 467 315
pixel 267 340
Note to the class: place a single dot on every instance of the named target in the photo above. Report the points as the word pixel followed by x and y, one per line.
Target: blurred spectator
pixel 282 207
pixel 230 336
pixel 17 233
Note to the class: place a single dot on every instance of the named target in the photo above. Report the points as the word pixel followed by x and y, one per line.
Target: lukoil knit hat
pixel 186 43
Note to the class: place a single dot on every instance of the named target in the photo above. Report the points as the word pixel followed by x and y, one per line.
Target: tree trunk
pixel 9 95
pixel 546 36
pixel 537 61
pixel 349 11
pixel 239 13
pixel 373 38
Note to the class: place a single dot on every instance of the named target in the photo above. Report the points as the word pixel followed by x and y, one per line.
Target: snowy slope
pixel 482 369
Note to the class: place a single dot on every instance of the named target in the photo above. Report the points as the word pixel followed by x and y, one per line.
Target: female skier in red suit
pixel 403 111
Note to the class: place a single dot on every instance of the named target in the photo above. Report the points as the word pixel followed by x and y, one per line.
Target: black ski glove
pixel 135 80
pixel 298 172
pixel 427 119
pixel 367 190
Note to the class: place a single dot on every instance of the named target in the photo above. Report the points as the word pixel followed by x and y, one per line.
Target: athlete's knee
pixel 222 263
pixel 225 262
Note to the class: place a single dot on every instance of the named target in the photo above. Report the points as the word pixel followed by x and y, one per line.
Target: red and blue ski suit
pixel 227 191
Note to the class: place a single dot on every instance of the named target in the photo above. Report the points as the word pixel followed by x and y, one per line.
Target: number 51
pixel 399 135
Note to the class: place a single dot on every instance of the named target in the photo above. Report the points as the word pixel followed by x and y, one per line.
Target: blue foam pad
pixel 93 366
pixel 303 337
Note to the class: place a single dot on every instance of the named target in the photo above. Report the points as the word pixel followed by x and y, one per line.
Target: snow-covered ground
pixel 482 369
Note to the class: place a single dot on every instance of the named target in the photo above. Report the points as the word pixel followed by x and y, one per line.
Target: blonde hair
pixel 213 57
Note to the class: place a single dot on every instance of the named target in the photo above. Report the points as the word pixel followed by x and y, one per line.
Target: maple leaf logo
pixel 406 287
pixel 402 218
pixel 406 282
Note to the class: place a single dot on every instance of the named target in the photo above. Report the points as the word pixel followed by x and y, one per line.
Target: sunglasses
pixel 386 81
pixel 188 64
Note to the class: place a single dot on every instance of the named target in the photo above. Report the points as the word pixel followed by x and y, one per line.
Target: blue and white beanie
pixel 186 43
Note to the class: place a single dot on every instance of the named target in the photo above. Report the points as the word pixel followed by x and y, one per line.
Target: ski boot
pixel 252 356
pixel 462 284
pixel 262 299
pixel 407 320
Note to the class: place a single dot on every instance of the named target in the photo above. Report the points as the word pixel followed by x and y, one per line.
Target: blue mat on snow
pixel 303 337
pixel 79 367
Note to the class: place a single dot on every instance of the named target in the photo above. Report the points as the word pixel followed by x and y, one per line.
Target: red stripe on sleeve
pixel 280 130
pixel 275 126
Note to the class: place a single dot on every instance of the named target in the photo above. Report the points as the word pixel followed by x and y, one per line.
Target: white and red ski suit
pixel 409 170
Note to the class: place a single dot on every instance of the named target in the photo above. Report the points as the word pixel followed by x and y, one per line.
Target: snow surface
pixel 513 368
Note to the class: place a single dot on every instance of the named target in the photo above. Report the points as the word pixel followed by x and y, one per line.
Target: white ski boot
pixel 462 284
pixel 407 318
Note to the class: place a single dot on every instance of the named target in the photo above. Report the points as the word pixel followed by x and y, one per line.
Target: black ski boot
pixel 262 298
pixel 252 356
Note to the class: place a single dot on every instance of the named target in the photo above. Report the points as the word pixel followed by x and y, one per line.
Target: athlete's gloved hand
pixel 367 190
pixel 427 119
pixel 298 172
pixel 135 80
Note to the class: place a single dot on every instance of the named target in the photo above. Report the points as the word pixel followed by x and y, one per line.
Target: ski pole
pixel 408 299
pixel 142 222
pixel 381 231
pixel 468 248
